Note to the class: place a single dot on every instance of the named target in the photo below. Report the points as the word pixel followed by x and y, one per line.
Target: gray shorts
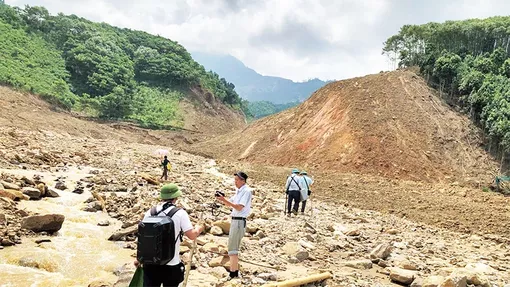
pixel 236 233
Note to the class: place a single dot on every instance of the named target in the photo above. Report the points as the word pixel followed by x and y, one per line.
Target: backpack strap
pixel 292 178
pixel 306 182
pixel 170 214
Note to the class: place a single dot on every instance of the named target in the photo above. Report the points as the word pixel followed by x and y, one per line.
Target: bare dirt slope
pixel 388 124
pixel 204 117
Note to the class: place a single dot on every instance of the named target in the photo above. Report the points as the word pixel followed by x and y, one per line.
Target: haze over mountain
pixel 253 86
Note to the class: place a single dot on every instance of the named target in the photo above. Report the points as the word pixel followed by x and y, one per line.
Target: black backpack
pixel 156 237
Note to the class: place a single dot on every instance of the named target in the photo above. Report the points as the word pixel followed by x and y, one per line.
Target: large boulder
pixel 13 194
pixel 33 193
pixel 224 225
pixel 47 222
pixel 8 185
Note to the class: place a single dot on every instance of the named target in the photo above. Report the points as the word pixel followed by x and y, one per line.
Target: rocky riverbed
pixel 118 181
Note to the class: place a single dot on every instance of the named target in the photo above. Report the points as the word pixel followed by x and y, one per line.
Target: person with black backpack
pixel 159 238
pixel 293 190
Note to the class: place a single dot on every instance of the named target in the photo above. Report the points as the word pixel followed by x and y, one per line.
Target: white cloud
pixel 296 39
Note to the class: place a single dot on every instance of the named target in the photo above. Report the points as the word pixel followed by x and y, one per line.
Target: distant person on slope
pixel 293 190
pixel 165 163
pixel 306 182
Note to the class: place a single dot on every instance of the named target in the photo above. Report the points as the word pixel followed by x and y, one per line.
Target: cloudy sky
pixel 295 39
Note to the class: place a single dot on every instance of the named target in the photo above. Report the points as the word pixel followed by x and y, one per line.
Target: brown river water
pixel 78 255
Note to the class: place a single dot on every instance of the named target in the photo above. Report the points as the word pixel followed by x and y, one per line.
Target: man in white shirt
pixel 241 207
pixel 293 189
pixel 171 274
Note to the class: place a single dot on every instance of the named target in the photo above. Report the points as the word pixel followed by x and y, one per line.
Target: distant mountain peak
pixel 253 86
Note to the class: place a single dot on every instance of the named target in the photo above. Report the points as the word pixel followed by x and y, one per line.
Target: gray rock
pixel 47 222
pixel 52 193
pixel 60 185
pixel 359 264
pixel 33 193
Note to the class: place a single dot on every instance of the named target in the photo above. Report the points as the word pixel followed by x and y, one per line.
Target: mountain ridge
pixel 253 86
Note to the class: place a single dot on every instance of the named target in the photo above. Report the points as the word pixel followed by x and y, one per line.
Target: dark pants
pixel 165 173
pixel 169 276
pixel 294 195
pixel 303 205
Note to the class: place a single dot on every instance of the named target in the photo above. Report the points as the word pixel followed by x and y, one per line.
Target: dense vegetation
pixel 468 61
pixel 262 109
pixel 113 72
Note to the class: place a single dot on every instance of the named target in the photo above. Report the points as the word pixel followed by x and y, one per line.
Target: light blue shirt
pixel 306 180
pixel 242 196
pixel 304 187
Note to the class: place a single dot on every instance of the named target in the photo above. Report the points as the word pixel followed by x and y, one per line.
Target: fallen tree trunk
pixel 149 179
pixel 121 233
pixel 300 281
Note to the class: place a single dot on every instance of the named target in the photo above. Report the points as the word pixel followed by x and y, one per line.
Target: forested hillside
pixel 468 61
pixel 101 69
pixel 260 109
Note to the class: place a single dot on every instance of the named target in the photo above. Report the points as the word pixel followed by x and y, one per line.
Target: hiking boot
pixel 294 212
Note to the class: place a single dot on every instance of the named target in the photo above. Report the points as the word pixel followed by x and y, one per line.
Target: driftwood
pixel 149 179
pixel 301 281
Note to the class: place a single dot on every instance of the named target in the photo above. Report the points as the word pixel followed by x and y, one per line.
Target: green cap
pixel 304 172
pixel 295 170
pixel 170 191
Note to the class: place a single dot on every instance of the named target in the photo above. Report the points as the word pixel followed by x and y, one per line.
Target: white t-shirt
pixel 181 222
pixel 242 196
pixel 293 182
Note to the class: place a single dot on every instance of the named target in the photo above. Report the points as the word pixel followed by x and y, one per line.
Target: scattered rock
pixel 39 241
pixel 33 193
pixel 100 284
pixel 60 185
pixel 50 192
pixel 103 223
pixel 402 276
pixel 47 222
pixel 219 261
pixel 433 281
pixel 28 181
pixel 7 242
pixel 8 185
pixel 359 264
pixel 13 194
pixel 381 251
pixel 353 232
pixel 224 225
pixel 216 230
pixel 42 188
pixel 260 234
pixel 79 190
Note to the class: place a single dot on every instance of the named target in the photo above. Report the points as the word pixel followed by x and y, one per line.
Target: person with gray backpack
pixel 160 234
pixel 293 191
